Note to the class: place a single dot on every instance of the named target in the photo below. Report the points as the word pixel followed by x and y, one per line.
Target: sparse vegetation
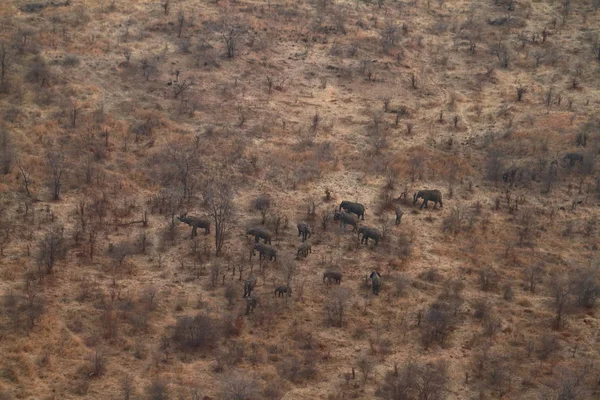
pixel 125 125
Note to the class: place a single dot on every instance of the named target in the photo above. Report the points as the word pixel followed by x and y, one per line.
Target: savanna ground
pixel 119 115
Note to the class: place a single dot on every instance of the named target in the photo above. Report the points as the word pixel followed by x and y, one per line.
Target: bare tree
pixel 180 23
pixel 184 162
pixel 218 197
pixel 337 305
pixel 238 387
pixel 262 203
pixel 56 162
pixel 7 153
pixel 231 33
pixel 561 297
pixel 5 61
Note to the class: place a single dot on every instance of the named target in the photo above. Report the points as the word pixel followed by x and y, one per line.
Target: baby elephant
pixel 260 233
pixel 304 249
pixel 332 276
pixel 283 289
pixel 303 230
pixel 369 233
pixel 264 251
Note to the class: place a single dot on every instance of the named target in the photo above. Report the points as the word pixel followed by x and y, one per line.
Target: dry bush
pixel 437 325
pixel 158 389
pixel 52 248
pixel 416 381
pixel 337 305
pixel 236 386
pixel 196 333
pixel 296 370
pixel 585 286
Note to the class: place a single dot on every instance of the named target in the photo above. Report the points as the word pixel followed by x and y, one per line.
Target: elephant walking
pixel 260 233
pixel 427 196
pixel 369 233
pixel 376 282
pixel 264 251
pixel 195 223
pixel 304 249
pixel 332 276
pixel 249 285
pixel 346 219
pixel 303 230
pixel 281 290
pixel 251 303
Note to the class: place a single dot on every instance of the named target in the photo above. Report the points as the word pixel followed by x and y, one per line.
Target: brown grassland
pixel 118 116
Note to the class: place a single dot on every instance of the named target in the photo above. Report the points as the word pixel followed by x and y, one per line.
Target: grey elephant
pixel 303 230
pixel 332 276
pixel 369 233
pixel 346 219
pixel 304 249
pixel 376 282
pixel 281 290
pixel 249 285
pixel 195 223
pixel 399 214
pixel 573 158
pixel 260 233
pixel 264 251
pixel 353 208
pixel 251 303
pixel 427 196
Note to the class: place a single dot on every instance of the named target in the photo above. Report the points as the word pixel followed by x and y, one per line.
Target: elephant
pixel 399 214
pixel 265 251
pixel 251 303
pixel 353 208
pixel 304 249
pixel 346 219
pixel 573 158
pixel 195 223
pixel 330 276
pixel 260 233
pixel 303 230
pixel 249 285
pixel 280 290
pixel 427 196
pixel 376 282
pixel 369 233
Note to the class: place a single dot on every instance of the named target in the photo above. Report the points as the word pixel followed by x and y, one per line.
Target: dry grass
pixel 314 99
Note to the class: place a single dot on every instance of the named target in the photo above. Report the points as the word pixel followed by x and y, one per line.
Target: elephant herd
pixel 348 213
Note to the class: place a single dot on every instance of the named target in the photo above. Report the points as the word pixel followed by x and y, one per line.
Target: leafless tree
pixel 183 163
pixel 7 153
pixel 56 163
pixel 180 23
pixel 337 305
pixel 365 365
pixel 586 288
pixel 561 299
pixel 231 33
pixel 388 36
pixel 238 387
pixel 165 5
pixel 533 274
pixel 218 197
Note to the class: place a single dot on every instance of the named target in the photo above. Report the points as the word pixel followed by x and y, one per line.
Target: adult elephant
pixel 427 196
pixel 369 233
pixel 353 208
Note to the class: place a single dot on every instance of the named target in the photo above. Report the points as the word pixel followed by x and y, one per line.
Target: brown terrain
pixel 117 116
